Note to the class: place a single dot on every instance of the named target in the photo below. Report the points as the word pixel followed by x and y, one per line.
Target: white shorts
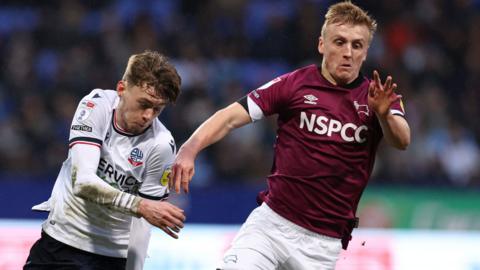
pixel 268 241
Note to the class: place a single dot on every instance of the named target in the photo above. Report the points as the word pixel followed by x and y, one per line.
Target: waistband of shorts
pixel 301 229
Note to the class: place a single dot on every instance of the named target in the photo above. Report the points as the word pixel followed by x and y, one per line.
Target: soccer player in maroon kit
pixel 330 121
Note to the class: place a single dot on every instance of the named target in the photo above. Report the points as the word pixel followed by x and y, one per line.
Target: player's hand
pixel 183 170
pixel 163 215
pixel 381 96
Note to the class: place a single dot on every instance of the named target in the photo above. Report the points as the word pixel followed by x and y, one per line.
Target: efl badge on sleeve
pixel 83 114
pixel 86 108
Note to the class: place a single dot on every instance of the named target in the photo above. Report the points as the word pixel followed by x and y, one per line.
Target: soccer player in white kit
pixel 114 182
pixel 331 119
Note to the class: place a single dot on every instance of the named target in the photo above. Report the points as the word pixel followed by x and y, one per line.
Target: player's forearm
pixel 217 127
pixel 87 185
pixel 395 130
pixel 209 132
pixel 97 191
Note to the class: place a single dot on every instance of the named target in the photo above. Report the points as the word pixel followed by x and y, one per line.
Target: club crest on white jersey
pixel 136 157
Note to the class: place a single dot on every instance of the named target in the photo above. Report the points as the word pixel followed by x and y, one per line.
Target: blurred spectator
pixel 459 154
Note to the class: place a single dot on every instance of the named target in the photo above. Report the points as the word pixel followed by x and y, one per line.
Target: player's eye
pixel 339 42
pixel 357 45
pixel 144 105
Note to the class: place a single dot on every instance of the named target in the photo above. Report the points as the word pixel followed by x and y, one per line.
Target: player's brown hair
pixel 348 13
pixel 152 69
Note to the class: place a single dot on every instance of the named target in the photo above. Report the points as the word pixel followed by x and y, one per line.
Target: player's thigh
pixel 319 254
pixel 246 258
pixel 253 247
pixel 48 253
pixel 302 263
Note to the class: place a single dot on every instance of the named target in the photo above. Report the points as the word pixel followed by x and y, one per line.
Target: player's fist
pixel 163 215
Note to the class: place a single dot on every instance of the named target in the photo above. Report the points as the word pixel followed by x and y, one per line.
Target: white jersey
pixel 136 164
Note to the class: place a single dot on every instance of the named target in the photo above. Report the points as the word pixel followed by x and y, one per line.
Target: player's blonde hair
pixel 153 69
pixel 348 13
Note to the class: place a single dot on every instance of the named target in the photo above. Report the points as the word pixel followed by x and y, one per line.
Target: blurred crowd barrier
pixel 380 207
pixel 54 52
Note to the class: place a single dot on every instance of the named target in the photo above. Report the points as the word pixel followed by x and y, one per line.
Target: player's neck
pixel 327 75
pixel 118 121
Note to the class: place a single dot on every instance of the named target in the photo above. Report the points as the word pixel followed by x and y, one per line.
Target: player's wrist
pixel 136 206
pixel 127 203
pixel 142 207
pixel 383 115
pixel 188 149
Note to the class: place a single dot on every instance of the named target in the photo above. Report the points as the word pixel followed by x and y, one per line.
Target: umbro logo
pixel 310 99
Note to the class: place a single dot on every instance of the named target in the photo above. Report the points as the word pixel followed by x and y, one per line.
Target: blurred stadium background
pixel 422 207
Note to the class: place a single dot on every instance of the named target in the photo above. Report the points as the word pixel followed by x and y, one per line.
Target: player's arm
pixel 395 130
pixel 87 185
pixel 394 127
pixel 212 130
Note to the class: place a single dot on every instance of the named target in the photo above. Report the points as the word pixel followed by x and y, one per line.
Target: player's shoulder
pixel 301 75
pixel 100 97
pixel 163 140
pixel 303 71
pixel 96 106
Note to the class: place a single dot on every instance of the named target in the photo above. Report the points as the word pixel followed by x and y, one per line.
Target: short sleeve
pixel 157 173
pixel 90 120
pixel 271 96
pixel 397 108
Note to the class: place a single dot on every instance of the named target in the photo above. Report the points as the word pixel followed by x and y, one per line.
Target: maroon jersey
pixel 324 151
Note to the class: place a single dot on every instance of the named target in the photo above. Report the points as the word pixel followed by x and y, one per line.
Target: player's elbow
pixel 226 118
pixel 403 145
pixel 81 186
pixel 234 116
pixel 403 142
pixel 83 189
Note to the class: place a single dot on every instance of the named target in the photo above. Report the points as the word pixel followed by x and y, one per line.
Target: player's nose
pixel 347 51
pixel 148 115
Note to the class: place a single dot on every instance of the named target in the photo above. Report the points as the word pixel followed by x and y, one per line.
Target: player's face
pixel 138 107
pixel 344 48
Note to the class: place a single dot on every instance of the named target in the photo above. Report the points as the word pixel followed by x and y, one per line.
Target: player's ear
pixel 365 56
pixel 120 87
pixel 320 45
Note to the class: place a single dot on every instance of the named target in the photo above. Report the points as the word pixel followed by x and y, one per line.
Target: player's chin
pixel 134 130
pixel 343 79
pixel 139 128
pixel 346 75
